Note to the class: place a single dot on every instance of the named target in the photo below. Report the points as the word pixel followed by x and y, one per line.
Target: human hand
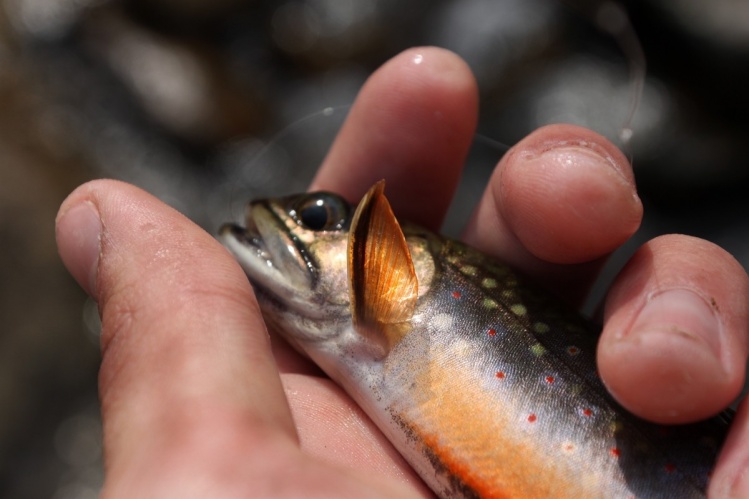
pixel 192 399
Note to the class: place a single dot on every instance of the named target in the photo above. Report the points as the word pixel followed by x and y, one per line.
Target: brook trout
pixel 485 384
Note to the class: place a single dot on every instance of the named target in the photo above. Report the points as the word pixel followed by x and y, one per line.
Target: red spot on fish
pixel 670 468
pixel 549 379
pixel 573 350
pixel 615 452
pixel 456 295
pixel 532 418
pixel 500 375
pixel 587 412
pixel 491 332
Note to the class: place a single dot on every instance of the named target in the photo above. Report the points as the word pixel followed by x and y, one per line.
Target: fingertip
pixel 568 195
pixel 78 231
pixel 673 348
pixel 666 376
pixel 412 124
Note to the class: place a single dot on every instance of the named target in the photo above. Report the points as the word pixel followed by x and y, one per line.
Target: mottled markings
pixel 469 270
pixel 538 349
pixel 540 327
pixel 443 322
pixel 519 309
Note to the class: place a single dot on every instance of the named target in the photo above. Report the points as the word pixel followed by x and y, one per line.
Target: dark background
pixel 207 103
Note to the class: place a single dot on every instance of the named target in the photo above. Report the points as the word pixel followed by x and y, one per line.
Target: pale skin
pixel 198 400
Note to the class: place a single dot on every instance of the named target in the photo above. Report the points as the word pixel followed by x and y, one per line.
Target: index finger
pixel 412 124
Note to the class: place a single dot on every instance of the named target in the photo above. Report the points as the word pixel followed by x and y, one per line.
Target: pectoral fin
pixel 382 282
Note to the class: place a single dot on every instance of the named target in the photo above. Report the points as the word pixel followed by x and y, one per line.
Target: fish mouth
pixel 275 261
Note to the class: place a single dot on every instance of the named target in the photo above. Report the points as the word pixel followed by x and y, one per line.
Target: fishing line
pixel 283 133
pixel 611 17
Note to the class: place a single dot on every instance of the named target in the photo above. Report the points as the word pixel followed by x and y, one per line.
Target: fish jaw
pixel 298 274
pixel 278 273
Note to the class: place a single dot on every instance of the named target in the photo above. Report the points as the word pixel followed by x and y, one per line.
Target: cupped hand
pixel 199 401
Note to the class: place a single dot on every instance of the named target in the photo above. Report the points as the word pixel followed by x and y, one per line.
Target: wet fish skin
pixel 489 389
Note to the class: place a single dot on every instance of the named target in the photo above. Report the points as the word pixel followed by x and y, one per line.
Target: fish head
pixel 323 271
pixel 293 249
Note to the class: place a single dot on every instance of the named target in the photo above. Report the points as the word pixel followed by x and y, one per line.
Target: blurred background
pixel 207 103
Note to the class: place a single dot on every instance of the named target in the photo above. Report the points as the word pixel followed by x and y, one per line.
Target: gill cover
pixel 383 287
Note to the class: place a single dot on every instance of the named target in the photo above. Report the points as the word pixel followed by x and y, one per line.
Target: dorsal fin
pixel 382 281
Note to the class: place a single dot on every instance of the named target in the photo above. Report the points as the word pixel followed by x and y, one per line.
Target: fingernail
pixel 79 241
pixel 584 154
pixel 681 312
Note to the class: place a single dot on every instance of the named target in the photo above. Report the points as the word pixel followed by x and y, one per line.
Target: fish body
pixel 485 384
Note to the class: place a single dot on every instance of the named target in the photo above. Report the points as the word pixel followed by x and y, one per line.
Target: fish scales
pixel 490 389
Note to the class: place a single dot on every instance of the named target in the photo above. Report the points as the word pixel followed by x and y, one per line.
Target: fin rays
pixel 382 281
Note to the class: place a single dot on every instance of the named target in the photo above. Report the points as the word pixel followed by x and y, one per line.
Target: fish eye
pixel 320 211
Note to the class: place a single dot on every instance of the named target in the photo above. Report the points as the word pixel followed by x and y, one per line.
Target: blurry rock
pixel 721 22
pixel 179 84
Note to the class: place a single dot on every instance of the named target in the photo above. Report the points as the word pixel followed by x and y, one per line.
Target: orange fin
pixel 382 281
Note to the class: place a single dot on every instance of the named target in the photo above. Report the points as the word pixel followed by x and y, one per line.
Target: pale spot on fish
pixel 489 283
pixel 519 309
pixel 489 303
pixel 540 327
pixel 469 270
pixel 442 322
pixel 538 349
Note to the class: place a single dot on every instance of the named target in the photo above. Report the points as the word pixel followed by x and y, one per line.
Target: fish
pixel 484 382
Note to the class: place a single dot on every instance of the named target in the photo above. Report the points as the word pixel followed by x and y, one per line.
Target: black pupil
pixel 315 216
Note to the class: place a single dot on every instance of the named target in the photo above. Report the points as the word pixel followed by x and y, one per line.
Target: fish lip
pixel 280 277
